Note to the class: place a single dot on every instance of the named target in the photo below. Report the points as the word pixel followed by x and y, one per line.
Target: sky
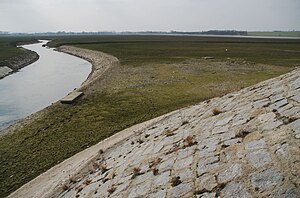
pixel 148 15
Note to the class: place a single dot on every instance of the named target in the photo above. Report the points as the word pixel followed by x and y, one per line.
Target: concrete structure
pixel 71 97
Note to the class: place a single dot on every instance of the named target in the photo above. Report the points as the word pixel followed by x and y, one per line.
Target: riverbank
pixel 100 63
pixel 16 63
pixel 242 144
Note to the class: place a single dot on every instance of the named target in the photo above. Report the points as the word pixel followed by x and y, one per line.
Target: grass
pixel 9 50
pixel 275 33
pixel 157 75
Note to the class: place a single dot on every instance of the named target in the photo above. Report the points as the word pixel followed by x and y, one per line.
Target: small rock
pixel 229 174
pixel 259 158
pixel 266 117
pixel 295 126
pixel 182 189
pixel 206 183
pixel 207 164
pixel 235 190
pixel 266 179
pixel 256 144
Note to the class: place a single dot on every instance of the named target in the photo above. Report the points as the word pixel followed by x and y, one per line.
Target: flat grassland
pixel 157 74
pixel 275 33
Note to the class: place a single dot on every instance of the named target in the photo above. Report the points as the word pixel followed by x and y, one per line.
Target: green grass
pixel 8 47
pixel 276 33
pixel 156 75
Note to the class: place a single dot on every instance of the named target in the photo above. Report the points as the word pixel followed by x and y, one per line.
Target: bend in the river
pixel 38 85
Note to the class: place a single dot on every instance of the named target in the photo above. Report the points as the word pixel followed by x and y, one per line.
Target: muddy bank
pixel 13 64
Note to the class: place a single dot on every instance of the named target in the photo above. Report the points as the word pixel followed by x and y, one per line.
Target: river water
pixel 38 85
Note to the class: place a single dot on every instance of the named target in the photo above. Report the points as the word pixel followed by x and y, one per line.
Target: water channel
pixel 38 85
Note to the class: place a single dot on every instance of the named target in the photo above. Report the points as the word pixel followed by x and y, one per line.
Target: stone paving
pixel 244 144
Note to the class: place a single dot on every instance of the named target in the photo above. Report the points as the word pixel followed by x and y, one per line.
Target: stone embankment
pixel 15 63
pixel 99 60
pixel 244 144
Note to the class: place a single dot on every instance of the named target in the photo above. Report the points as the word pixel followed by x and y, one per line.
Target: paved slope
pixel 244 144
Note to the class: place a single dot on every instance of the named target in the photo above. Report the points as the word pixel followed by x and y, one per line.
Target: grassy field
pixel 8 47
pixel 276 33
pixel 157 74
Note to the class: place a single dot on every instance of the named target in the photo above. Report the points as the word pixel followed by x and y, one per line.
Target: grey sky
pixel 135 15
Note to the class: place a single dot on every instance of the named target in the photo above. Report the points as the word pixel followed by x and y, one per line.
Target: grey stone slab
pixel 207 146
pixel 292 112
pixel 232 141
pixel 284 108
pixel 260 103
pixel 227 136
pixel 295 126
pixel 279 104
pixel 185 175
pixel 276 98
pixel 281 150
pixel 295 84
pixel 206 183
pixel 158 194
pixel 140 190
pixel 166 165
pixel 266 179
pixel 272 124
pixel 5 71
pixel 239 121
pixel 291 192
pixel 266 117
pixel 121 187
pixel 220 129
pixel 183 163
pixel 224 121
pixel 235 190
pixel 143 177
pixel 234 171
pixel 207 195
pixel 256 144
pixel 184 153
pixel 296 98
pixel 181 189
pixel 259 158
pixel 208 164
pixel 162 179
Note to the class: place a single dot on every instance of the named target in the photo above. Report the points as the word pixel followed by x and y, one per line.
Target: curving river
pixel 38 85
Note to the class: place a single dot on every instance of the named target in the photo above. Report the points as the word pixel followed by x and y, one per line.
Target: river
pixel 40 84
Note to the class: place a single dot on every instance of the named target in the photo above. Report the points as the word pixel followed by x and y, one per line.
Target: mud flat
pixel 244 144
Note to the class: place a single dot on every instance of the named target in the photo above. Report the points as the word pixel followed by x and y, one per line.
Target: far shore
pixel 18 62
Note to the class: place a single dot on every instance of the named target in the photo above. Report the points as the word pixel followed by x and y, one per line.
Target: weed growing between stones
pixel 136 171
pixel 216 112
pixel 169 133
pixel 175 181
pixel 189 141
pixel 111 189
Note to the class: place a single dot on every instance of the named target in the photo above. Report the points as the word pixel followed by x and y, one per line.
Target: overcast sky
pixel 135 15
